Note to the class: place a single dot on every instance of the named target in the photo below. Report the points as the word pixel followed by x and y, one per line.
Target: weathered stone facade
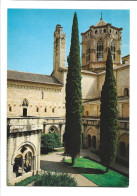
pixel 36 103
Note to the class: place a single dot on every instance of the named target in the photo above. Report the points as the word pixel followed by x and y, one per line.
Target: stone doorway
pixel 24 111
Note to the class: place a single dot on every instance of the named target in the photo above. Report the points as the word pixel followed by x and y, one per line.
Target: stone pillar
pixel 84 135
pixel 44 128
pixel 23 162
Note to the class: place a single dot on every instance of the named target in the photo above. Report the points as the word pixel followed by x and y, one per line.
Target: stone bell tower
pixel 59 51
pixel 95 44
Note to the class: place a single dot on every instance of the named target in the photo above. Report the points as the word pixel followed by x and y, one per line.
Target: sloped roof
pixel 31 77
pixel 101 23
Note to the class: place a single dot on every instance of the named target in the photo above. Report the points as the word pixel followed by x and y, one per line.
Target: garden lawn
pixel 95 173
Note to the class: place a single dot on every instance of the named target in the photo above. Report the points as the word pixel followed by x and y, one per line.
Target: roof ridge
pixel 29 72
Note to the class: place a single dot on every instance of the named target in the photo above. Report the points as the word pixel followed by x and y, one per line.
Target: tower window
pixel 96 31
pixel 100 50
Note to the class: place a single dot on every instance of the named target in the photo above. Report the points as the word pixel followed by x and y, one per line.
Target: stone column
pixel 23 162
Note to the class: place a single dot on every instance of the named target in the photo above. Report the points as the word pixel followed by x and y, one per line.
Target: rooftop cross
pixel 101 16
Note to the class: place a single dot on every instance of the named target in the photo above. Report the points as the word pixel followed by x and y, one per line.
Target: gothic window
pixel 113 49
pixel 10 108
pixel 42 95
pixel 100 50
pixel 126 92
pixel 25 102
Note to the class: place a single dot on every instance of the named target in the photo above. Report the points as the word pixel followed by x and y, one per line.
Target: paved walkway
pixel 93 156
pixel 54 162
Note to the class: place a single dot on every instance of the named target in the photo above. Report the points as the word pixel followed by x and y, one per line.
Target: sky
pixel 30 34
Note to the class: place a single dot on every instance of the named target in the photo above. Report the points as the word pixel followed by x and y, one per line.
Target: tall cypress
pixel 109 116
pixel 72 136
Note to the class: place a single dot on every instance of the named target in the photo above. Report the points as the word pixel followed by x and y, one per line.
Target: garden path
pixel 54 162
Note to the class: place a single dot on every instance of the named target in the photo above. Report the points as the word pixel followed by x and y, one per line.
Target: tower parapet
pixel 95 44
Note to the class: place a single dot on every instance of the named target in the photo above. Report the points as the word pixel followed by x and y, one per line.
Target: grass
pixel 27 180
pixel 95 172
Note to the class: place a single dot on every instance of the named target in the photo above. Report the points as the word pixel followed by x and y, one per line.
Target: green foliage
pixel 56 179
pixel 50 141
pixel 27 180
pixel 95 172
pixel 109 116
pixel 72 136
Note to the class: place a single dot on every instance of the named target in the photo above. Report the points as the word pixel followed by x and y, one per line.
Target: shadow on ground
pixel 66 168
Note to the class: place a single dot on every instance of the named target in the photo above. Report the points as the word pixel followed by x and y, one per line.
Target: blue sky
pixel 30 34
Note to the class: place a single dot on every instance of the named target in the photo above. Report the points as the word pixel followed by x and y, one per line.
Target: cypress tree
pixel 72 136
pixel 108 116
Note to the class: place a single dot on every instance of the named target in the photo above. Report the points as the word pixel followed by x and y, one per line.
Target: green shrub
pixel 50 141
pixel 27 180
pixel 56 179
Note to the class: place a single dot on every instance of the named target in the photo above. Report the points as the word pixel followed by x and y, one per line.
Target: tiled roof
pixel 101 23
pixel 31 77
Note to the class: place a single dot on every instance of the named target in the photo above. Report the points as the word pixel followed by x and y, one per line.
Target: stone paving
pixel 54 163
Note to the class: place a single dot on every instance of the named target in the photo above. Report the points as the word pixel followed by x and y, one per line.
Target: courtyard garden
pixel 95 172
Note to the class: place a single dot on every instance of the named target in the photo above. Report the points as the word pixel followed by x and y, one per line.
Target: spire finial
pixel 101 16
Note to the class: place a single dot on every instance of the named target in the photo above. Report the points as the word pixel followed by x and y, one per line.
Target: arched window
pixel 100 50
pixel 53 110
pixel 113 49
pixel 96 31
pixel 122 149
pixel 126 92
pixel 10 108
pixel 87 113
pixel 24 111
pixel 37 109
pixel 25 102
pixel 45 110
pixel 42 95
pixel 94 141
